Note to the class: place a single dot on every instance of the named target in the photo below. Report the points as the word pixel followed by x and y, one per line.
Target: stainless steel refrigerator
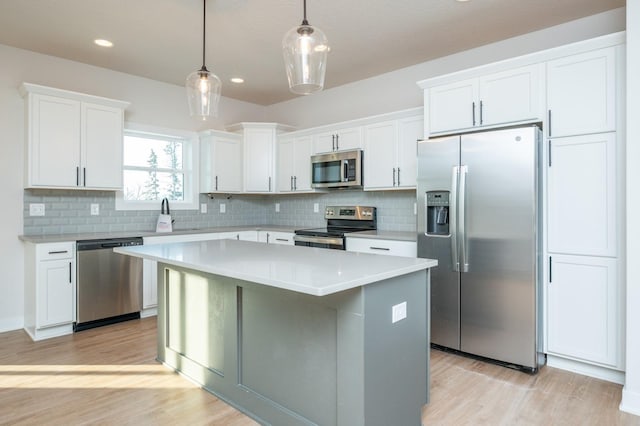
pixel 479 216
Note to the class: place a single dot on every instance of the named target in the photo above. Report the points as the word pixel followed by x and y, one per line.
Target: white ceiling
pixel 162 39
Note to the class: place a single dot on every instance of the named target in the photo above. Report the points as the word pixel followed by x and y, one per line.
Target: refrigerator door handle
pixel 453 222
pixel 464 261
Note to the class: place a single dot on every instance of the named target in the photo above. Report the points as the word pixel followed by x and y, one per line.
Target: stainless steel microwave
pixel 341 169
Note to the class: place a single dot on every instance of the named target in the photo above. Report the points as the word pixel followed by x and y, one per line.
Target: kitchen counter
pixel 308 270
pixel 296 335
pixel 56 238
pixel 384 235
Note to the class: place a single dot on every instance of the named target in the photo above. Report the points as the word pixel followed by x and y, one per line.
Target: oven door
pixel 336 170
pixel 335 243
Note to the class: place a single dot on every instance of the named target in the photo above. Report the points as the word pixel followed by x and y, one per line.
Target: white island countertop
pixel 309 270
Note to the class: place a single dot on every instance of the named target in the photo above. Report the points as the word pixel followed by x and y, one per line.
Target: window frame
pixel 190 163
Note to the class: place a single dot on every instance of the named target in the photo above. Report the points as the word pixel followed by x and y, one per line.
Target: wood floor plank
pixel 109 376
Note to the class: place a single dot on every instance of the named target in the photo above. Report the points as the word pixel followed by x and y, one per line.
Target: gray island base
pixel 287 357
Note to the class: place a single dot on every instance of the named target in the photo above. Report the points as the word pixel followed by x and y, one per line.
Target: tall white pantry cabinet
pixel 576 93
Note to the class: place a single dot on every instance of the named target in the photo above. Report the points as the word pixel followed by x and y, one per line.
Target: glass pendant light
pixel 305 51
pixel 203 87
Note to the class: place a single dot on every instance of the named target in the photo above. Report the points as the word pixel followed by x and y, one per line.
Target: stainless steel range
pixel 340 220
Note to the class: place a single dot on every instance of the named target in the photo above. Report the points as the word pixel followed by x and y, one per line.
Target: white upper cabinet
pixel 581 195
pixel 581 94
pixel 505 97
pixel 338 140
pixel 259 154
pixel 390 153
pixel 74 141
pixel 220 162
pixel 294 163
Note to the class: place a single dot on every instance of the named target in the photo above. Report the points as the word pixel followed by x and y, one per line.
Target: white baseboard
pixel 585 369
pixel 630 401
pixel 149 312
pixel 11 324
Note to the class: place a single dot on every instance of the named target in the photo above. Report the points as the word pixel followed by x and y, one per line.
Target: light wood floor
pixel 109 376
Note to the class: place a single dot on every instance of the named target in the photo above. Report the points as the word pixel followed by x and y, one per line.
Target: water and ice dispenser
pixel 437 212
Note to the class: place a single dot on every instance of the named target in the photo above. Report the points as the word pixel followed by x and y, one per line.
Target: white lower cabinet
pixel 382 246
pixel 50 288
pixel 276 237
pixel 584 309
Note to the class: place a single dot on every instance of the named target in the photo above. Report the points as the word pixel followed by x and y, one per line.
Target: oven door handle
pixel 319 240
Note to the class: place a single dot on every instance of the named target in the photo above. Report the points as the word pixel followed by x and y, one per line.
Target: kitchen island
pixel 296 335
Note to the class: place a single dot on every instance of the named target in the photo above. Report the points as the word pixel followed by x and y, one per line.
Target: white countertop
pixel 57 238
pixel 309 270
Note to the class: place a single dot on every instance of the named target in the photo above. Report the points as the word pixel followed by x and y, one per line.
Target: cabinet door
pixel 285 164
pixel 581 191
pixel 258 160
pixel 380 155
pixel 510 96
pixel 247 236
pixel 54 138
pixel 302 152
pixel 149 283
pixel 101 147
pixel 349 139
pixel 582 308
pixel 581 93
pixel 410 130
pixel 453 106
pixel 54 293
pixel 227 164
pixel 324 142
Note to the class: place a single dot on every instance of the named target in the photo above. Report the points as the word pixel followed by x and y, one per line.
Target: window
pixel 157 165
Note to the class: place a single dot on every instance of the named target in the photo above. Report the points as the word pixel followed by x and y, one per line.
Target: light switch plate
pixel 223 208
pixel 36 209
pixel 95 209
pixel 203 208
pixel 316 207
pixel 277 207
pixel 398 312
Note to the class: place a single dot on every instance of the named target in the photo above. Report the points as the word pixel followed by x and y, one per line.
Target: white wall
pixel 631 391
pixel 398 90
pixel 152 102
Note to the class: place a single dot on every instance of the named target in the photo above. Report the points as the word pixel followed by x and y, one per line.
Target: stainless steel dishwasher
pixel 109 284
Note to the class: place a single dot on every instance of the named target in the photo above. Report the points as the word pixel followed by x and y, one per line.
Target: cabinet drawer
pixel 55 251
pixel 385 247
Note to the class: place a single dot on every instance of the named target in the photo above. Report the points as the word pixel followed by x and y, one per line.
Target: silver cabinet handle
pixel 398 176
pixel 549 153
pixel 550 265
pixel 295 183
pixel 473 113
pixel 291 183
pixel 337 142
pixel 380 248
pixel 481 113
pixel 237 236
pixel 333 142
pixel 462 219
pixel 77 176
pixel 267 238
pixel 453 221
pixel 282 239
pixel 216 183
pixel 549 122
pixel 269 183
pixel 59 252
pixel 84 176
pixel 69 272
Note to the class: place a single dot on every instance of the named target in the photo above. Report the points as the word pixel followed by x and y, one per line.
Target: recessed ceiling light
pixel 237 80
pixel 103 43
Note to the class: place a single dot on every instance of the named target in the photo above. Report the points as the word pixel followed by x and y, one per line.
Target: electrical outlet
pixel 95 209
pixel 415 209
pixel 203 208
pixel 223 208
pixel 316 207
pixel 277 207
pixel 398 312
pixel 36 209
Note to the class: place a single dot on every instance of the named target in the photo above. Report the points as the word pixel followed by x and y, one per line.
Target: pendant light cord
pixel 304 11
pixel 204 31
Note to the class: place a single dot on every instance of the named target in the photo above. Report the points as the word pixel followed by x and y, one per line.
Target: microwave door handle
pixel 345 170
